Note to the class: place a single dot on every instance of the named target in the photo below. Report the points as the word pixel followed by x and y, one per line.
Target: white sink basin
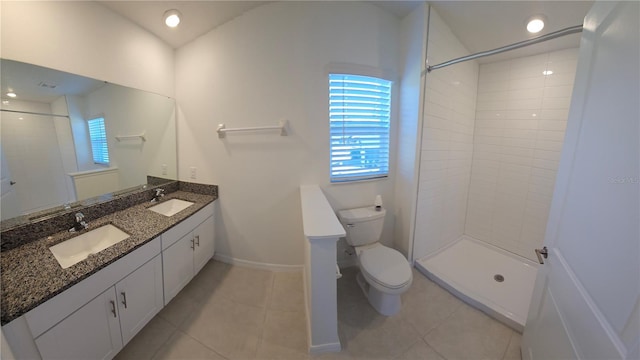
pixel 80 247
pixel 171 207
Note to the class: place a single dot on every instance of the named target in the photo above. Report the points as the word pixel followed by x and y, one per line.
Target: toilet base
pixel 385 304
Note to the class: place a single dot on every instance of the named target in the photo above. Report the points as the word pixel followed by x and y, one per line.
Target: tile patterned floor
pixel 231 312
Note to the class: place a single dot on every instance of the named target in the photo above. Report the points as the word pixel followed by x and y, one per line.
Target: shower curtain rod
pixel 566 31
pixel 33 113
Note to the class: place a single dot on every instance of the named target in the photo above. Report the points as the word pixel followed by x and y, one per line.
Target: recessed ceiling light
pixel 172 18
pixel 11 94
pixel 547 72
pixel 535 24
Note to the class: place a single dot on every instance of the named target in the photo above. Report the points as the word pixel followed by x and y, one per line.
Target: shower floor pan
pixel 493 280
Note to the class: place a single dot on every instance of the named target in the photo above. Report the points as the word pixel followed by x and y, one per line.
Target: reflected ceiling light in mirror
pixel 11 94
pixel 547 72
pixel 535 24
pixel 172 18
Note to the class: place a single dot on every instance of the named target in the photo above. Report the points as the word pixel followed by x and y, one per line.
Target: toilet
pixel 384 272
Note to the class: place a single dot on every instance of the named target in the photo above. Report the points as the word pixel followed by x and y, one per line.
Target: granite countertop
pixel 30 274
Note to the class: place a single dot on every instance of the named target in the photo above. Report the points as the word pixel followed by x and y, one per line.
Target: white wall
pixel 154 116
pixel 447 142
pixel 65 142
pixel 263 66
pixel 520 122
pixel 80 131
pixel 86 38
pixel 413 48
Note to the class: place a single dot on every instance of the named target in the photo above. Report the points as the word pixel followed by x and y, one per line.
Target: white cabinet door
pixel 140 297
pixel 177 266
pixel 92 332
pixel 204 240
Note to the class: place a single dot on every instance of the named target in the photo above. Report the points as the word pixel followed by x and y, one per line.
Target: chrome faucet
pixel 80 224
pixel 159 194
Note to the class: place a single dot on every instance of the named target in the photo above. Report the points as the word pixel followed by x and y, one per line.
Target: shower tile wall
pixel 33 157
pixel 447 142
pixel 520 122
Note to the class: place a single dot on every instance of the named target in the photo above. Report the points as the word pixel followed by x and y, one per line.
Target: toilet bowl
pixel 384 272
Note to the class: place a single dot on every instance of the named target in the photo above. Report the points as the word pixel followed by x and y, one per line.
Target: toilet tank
pixel 363 225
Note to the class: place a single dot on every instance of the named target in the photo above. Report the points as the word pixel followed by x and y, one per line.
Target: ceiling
pixel 198 17
pixel 480 25
pixel 485 25
pixel 35 83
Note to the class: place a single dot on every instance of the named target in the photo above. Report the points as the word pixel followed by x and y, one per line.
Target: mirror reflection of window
pixel 73 159
pixel 98 137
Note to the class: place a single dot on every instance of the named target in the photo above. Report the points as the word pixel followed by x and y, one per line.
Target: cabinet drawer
pixel 187 225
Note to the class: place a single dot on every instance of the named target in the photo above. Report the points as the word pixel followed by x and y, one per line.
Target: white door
pixel 140 298
pixel 586 301
pixel 9 207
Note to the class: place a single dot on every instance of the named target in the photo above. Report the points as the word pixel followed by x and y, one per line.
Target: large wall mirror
pixel 67 138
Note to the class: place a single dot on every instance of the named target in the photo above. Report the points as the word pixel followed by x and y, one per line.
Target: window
pixel 359 116
pixel 98 137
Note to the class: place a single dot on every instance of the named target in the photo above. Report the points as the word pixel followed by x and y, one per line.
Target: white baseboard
pixel 257 265
pixel 307 312
pixel 330 347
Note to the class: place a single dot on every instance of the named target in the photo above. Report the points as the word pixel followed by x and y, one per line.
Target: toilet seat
pixel 385 267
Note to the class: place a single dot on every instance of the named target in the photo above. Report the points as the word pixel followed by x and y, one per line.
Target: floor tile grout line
pixel 460 306
pixel 424 338
pixel 201 343
pixel 504 354
pixel 434 349
pixel 266 311
pixel 408 347
pixel 175 329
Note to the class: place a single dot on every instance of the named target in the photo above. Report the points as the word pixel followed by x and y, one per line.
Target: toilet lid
pixel 385 266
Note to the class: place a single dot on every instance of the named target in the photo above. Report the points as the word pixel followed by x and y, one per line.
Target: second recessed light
pixel 172 18
pixel 535 24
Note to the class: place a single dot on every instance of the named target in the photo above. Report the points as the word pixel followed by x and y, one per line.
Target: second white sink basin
pixel 171 207
pixel 76 249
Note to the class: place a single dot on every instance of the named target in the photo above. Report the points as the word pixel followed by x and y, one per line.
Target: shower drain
pixel 498 278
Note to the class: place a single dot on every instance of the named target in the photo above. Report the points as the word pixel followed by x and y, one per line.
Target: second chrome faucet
pixel 79 224
pixel 159 194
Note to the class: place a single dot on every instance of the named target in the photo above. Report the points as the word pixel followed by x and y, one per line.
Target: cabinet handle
pixel 124 299
pixel 192 243
pixel 198 240
pixel 113 308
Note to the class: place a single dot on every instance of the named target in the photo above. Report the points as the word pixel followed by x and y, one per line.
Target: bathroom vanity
pixel 94 308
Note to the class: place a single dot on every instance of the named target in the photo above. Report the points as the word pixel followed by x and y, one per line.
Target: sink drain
pixel 498 278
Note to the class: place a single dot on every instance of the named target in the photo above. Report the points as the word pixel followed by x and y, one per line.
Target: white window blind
pixel 98 137
pixel 359 115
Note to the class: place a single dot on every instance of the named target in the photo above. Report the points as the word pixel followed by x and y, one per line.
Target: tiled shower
pixel 521 116
pixel 492 135
pixel 491 140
